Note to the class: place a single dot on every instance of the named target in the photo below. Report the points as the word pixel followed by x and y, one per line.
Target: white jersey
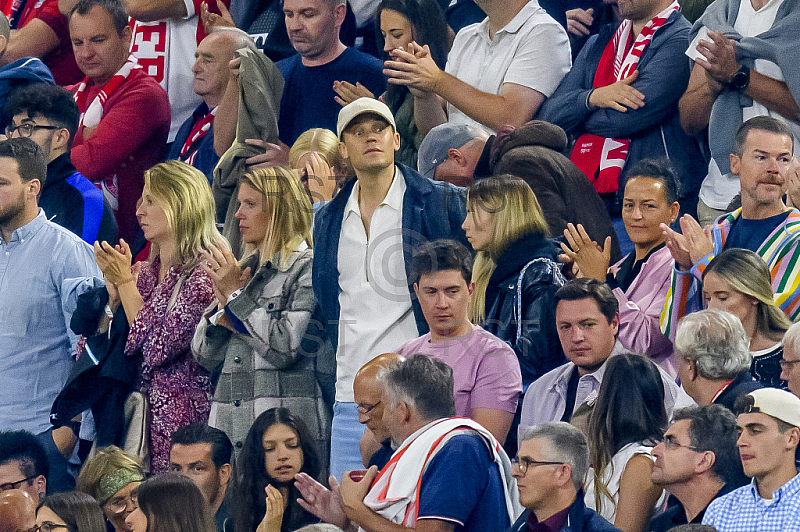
pixel 165 50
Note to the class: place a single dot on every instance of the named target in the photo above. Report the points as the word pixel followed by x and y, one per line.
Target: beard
pixel 12 211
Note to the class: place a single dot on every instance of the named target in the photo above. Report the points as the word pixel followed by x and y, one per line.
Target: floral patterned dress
pixel 178 389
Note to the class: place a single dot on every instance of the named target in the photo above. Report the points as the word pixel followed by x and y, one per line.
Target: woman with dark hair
pixel 277 447
pixel 75 511
pixel 399 23
pixel 628 419
pixel 170 503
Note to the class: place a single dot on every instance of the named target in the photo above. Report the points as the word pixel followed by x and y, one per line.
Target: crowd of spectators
pixel 479 265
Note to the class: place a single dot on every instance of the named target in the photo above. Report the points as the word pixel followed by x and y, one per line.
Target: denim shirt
pixel 43 270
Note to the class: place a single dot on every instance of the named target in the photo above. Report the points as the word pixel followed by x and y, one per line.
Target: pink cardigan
pixel 640 310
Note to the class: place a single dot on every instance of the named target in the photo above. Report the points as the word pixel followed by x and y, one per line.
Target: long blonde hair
pixel 183 192
pixel 515 212
pixel 748 274
pixel 290 213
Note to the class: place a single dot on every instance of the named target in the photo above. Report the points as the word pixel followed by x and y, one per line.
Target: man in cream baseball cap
pixel 360 107
pixel 769 431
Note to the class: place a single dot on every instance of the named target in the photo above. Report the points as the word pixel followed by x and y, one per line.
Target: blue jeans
pixel 346 432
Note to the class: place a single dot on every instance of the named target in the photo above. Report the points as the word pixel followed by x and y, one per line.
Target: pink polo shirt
pixel 486 372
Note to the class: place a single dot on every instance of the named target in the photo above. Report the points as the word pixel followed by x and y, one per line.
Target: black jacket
pixel 741 385
pixel 73 202
pixel 538 347
pixel 103 375
pixel 534 153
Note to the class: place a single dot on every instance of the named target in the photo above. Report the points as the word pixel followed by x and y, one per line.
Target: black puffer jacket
pixel 537 345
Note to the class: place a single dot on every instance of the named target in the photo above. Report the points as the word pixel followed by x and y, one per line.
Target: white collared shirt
pixel 532 50
pixel 375 304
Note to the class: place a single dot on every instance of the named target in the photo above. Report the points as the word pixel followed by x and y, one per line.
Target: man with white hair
pixel 436 452
pixel 714 358
pixel 552 461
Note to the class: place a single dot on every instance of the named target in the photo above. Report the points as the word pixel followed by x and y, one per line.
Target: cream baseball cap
pixel 779 404
pixel 359 107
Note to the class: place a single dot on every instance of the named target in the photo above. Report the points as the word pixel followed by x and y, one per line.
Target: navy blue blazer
pixel 431 210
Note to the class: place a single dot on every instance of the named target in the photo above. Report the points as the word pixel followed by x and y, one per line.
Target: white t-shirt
pixel 718 190
pixel 165 50
pixel 375 313
pixel 532 50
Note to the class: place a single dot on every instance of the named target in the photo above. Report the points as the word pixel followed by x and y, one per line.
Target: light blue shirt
pixel 43 270
pixel 743 510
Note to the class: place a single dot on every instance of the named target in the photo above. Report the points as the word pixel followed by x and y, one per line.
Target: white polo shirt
pixel 375 305
pixel 532 50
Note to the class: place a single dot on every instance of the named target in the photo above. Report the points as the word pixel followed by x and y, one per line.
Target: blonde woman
pixel 251 334
pixel 315 155
pixel 516 272
pixel 738 280
pixel 165 298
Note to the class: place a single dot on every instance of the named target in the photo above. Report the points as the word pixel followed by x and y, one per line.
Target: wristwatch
pixel 740 80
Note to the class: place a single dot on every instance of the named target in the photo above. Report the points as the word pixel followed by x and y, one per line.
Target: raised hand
pixel 321 179
pixel 414 68
pixel 719 58
pixel 323 502
pixel 114 262
pixel 619 96
pixel 348 93
pixel 589 260
pixel 273 517
pixel 225 272
pixel 274 154
pixel 211 20
pixel 579 21
pixel 689 247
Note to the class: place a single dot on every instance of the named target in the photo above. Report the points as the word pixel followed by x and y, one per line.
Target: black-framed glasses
pixel 521 464
pixel 671 443
pixel 47 526
pixel 26 130
pixel 787 364
pixel 366 409
pixel 14 485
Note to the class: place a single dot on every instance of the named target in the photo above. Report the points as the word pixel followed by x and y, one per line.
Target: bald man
pixel 375 444
pixel 194 142
pixel 17 511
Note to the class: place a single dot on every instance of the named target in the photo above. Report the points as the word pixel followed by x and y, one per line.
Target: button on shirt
pixel 38 293
pixel 744 510
pixel 532 50
pixel 376 315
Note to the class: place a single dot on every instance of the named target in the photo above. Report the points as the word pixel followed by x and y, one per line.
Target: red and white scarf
pixel 91 113
pixel 396 496
pixel 600 158
pixel 199 130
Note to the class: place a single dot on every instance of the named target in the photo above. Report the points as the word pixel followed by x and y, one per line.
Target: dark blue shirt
pixel 478 504
pixel 750 234
pixel 308 95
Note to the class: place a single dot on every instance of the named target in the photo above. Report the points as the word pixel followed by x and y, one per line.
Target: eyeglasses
pixel 26 130
pixel 48 527
pixel 671 443
pixel 366 409
pixel 119 506
pixel 14 485
pixel 788 364
pixel 521 464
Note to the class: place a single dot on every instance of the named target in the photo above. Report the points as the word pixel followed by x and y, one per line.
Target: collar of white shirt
pixel 393 198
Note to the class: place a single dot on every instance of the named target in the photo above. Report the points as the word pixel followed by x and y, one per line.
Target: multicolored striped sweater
pixel 781 252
